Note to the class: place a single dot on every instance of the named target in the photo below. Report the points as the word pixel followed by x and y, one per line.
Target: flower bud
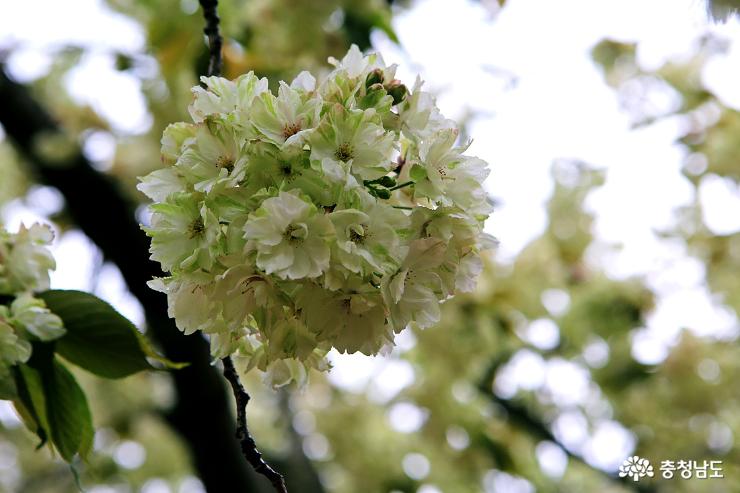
pixel 382 193
pixel 387 182
pixel 375 94
pixel 374 77
pixel 397 90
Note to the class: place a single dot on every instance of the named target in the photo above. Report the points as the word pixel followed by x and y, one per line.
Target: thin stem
pixel 210 13
pixel 249 448
pixel 401 185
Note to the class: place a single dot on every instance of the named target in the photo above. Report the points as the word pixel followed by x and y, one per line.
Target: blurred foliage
pixel 463 423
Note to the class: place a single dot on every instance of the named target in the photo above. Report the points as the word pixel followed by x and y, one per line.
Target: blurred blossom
pixel 542 333
pixel 416 466
pixel 129 454
pixel 316 447
pixel 609 445
pixel 405 417
pixel 501 482
pixel 156 485
pixel 552 459
pixel 571 429
pixel 556 301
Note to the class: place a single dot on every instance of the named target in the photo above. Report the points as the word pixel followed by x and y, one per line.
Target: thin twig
pixel 210 13
pixel 249 448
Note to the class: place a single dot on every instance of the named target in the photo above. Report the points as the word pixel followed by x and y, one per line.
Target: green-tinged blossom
pixel 25 262
pixel 288 226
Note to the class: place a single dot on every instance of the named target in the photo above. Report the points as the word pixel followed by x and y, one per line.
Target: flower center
pixel 344 152
pixel 358 234
pixel 290 129
pixel 295 233
pixel 196 228
pixel 226 162
pixel 285 169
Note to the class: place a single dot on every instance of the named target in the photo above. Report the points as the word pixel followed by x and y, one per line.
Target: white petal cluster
pixel 25 262
pixel 330 215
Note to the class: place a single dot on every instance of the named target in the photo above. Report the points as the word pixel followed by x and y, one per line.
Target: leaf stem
pixel 401 185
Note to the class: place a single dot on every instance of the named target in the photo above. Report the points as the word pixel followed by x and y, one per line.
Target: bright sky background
pixel 559 107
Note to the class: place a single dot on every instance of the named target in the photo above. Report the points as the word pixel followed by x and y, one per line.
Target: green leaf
pixel 8 390
pixel 98 338
pixel 29 421
pixel 52 404
pixel 31 402
pixel 68 413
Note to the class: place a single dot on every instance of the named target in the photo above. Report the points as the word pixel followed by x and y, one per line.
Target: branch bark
pixel 210 13
pixel 249 448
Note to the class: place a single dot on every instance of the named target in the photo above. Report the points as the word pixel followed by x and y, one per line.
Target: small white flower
pixel 242 292
pixel 25 260
pixel 161 183
pixel 31 315
pixel 304 81
pixel 420 116
pixel 352 320
pixel 174 139
pixel 13 349
pixel 413 292
pixel 287 118
pixel 369 241
pixel 356 138
pixel 225 97
pixel 214 155
pixel 353 62
pixel 184 233
pixel 290 236
pixel 447 176
pixel 190 303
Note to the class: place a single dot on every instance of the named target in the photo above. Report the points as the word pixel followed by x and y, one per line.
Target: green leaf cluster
pixel 98 339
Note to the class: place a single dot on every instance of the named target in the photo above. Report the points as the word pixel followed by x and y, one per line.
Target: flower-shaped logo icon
pixel 636 467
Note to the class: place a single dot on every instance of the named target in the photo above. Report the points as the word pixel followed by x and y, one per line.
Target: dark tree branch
pixel 104 214
pixel 210 12
pixel 249 448
pixel 247 443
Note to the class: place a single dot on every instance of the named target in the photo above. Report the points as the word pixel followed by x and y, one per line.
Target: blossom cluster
pixel 25 262
pixel 329 215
